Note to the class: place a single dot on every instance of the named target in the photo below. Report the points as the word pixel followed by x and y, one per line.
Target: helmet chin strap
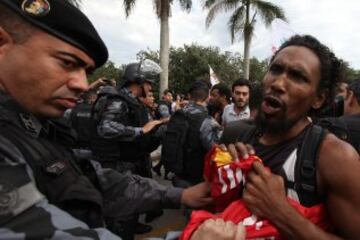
pixel 143 91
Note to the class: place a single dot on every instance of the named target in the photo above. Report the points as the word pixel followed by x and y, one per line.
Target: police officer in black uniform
pixel 123 135
pixel 46 49
pixel 122 123
pixel 202 133
pixel 81 121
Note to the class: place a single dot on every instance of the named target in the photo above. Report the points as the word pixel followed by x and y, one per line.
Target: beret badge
pixel 36 8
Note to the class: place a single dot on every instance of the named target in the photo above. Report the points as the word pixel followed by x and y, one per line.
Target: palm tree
pixel 243 19
pixel 163 11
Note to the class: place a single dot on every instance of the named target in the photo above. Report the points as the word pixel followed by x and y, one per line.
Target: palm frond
pixel 186 5
pixel 253 19
pixel 213 11
pixel 160 4
pixel 157 7
pixel 217 6
pixel 237 22
pixel 248 30
pixel 208 3
pixel 268 11
pixel 128 6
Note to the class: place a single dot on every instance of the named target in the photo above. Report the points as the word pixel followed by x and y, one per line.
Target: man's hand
pixel 150 126
pixel 165 120
pixel 197 196
pixel 219 230
pixel 184 103
pixel 99 82
pixel 264 192
pixel 238 150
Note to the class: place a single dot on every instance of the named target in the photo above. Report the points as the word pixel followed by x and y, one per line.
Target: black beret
pixel 64 21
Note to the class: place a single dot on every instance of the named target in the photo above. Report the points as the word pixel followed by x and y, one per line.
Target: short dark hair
pixel 15 26
pixel 199 94
pixel 355 88
pixel 241 82
pixel 223 89
pixel 199 91
pixel 332 68
pixel 166 91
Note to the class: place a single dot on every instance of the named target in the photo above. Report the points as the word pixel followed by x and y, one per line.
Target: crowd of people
pixel 75 159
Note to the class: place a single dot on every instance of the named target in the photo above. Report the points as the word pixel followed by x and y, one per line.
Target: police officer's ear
pixel 5 41
pixel 320 99
pixel 351 99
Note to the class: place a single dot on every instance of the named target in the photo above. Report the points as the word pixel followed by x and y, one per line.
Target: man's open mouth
pixel 272 105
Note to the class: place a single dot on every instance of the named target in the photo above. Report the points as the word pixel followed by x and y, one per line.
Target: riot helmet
pixel 144 71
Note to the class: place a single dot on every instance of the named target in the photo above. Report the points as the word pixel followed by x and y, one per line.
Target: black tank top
pixel 274 156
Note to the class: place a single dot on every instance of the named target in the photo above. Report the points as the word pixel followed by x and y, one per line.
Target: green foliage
pixel 191 62
pixel 257 70
pixel 108 70
pixel 351 74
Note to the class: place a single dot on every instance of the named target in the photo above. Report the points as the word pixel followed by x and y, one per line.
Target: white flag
pixel 213 77
pixel 281 31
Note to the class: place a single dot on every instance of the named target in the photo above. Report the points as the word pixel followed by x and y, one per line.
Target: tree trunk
pixel 247 43
pixel 164 44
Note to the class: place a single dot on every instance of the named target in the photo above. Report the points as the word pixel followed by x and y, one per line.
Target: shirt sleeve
pixel 210 131
pixel 111 125
pixel 24 211
pixel 223 116
pixel 45 221
pixel 126 194
pixel 164 111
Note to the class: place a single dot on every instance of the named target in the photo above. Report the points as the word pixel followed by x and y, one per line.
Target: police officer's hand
pixel 150 126
pixel 165 120
pixel 197 196
pixel 264 193
pixel 238 150
pixel 99 82
pixel 219 230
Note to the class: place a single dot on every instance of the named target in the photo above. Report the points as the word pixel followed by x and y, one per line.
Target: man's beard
pixel 277 126
pixel 241 105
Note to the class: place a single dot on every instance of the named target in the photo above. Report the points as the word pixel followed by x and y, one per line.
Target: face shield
pixel 149 70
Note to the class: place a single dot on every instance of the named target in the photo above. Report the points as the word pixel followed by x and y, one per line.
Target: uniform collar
pixel 19 116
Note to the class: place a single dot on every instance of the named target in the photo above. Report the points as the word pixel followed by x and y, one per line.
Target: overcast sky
pixel 333 22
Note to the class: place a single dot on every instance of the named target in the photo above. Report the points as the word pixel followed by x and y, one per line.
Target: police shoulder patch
pixel 8 198
pixel 36 8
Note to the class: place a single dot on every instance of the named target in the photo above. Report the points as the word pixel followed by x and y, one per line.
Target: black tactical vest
pixel 112 149
pixel 82 123
pixel 57 174
pixel 194 150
